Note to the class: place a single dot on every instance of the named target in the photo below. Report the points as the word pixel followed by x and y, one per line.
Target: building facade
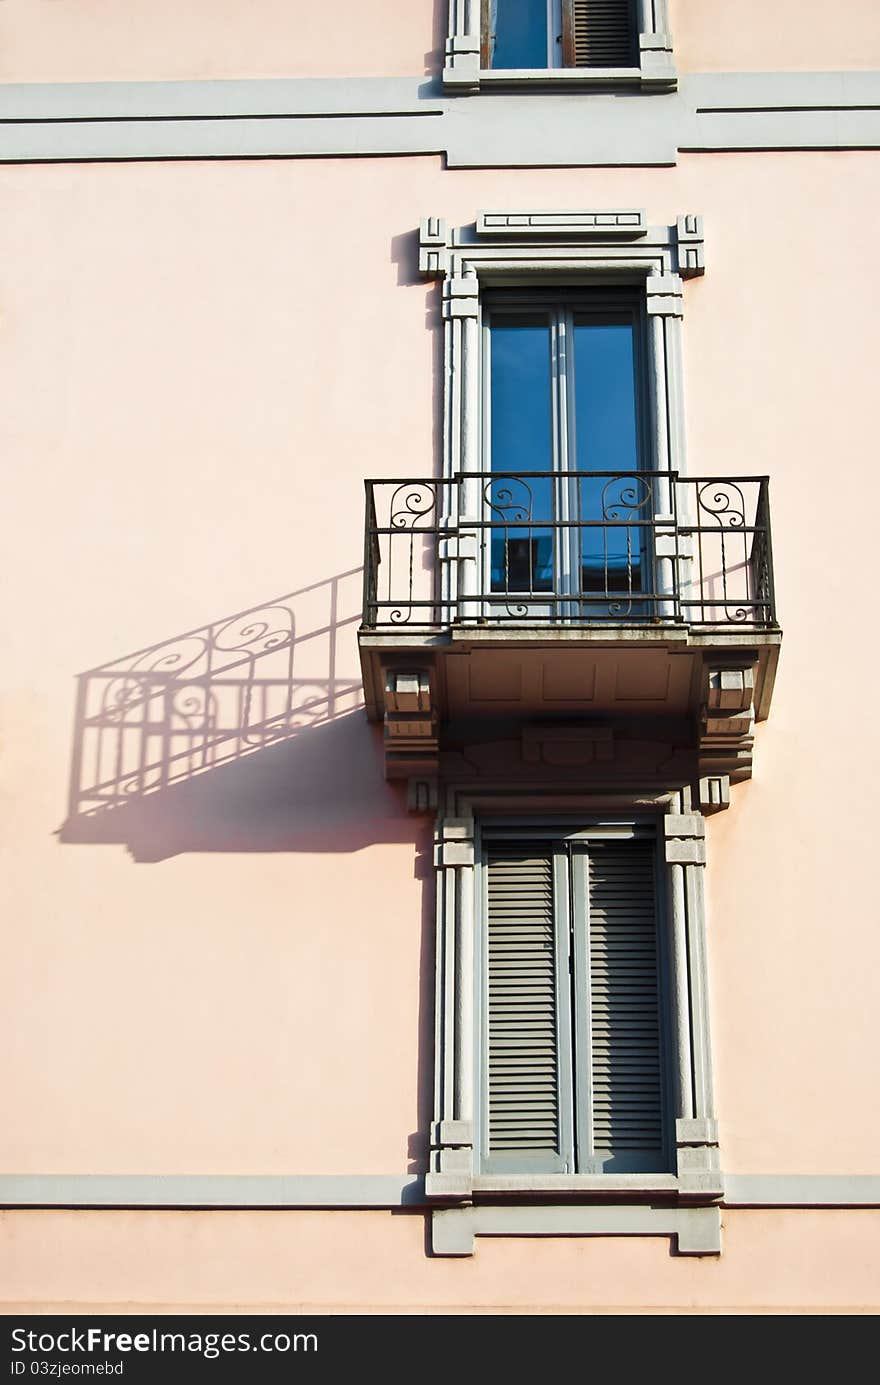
pixel 433 884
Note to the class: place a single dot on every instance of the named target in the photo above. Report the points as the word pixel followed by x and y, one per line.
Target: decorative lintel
pixel 664 254
pixel 602 225
pixel 691 246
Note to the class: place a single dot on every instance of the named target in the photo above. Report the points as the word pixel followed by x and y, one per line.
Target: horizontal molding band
pixel 370 117
pixel 801 1190
pixel 373 1190
pixel 211 1190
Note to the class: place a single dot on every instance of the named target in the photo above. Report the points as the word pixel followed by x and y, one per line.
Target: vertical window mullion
pixel 570 543
pixel 554 33
pixel 563 365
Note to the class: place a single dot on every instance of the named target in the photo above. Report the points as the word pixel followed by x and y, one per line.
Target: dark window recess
pixel 598 33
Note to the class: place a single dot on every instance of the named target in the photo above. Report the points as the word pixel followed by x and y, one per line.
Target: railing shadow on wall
pixel 244 734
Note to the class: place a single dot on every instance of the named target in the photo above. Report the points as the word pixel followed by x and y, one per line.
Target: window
pixel 572 1063
pixel 572 1042
pixel 541 43
pixel 565 440
pixel 559 33
pixel 546 383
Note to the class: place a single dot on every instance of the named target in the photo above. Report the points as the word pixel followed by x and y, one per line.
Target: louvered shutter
pixel 599 33
pixel 523 1056
pixel 625 1049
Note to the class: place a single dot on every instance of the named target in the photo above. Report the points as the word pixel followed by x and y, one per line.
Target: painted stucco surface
pixel 148 40
pixel 200 363
pixel 774 35
pixel 319 1261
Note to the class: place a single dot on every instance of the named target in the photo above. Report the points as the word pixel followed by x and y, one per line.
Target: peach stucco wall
pixel 200 363
pixel 807 1261
pixel 151 40
pixel 774 35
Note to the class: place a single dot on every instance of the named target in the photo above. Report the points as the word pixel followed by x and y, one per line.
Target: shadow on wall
pixel 237 736
pixel 435 58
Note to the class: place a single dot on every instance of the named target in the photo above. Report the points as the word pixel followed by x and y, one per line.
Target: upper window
pixel 531 34
pixel 559 43
pixel 573 1064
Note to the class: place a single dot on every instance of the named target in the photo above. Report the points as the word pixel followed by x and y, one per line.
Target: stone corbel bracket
pixel 546 239
pixel 726 729
pixel 411 746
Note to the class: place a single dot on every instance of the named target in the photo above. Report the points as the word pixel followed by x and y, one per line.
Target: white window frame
pixel 462 73
pixel 455 1176
pixel 561 309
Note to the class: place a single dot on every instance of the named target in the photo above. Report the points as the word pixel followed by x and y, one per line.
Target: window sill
pixel 561 78
pixel 698 1185
pixel 576 1185
pixel 656 73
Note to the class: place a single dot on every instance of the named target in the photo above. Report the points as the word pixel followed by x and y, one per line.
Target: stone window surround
pixel 550 249
pixel 453 1182
pixel 463 75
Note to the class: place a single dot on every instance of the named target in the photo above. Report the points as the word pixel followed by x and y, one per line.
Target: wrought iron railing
pixel 569 547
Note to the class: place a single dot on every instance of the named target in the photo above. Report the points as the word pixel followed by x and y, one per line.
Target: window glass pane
pixel 605 396
pixel 606 439
pixel 521 441
pixel 520 34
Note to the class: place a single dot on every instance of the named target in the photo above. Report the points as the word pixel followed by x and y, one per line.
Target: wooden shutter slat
pixel 523 1067
pixel 626 1093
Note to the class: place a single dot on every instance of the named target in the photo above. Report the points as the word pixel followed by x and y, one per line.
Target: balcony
pixel 566 597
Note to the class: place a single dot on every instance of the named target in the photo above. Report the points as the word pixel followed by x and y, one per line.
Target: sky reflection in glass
pixel 522 440
pixel 597 432
pixel 520 34
pixel 606 440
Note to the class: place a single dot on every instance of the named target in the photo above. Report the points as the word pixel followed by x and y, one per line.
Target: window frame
pixel 563 307
pixel 455 1175
pixel 466 70
pixel 559 248
pixel 556 250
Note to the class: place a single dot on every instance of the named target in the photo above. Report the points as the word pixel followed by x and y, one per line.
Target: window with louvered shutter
pixel 574 1008
pixel 535 34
